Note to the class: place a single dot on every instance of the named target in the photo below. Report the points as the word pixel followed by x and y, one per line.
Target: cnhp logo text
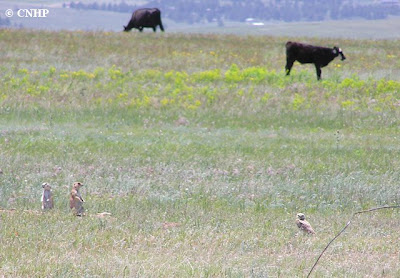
pixel 28 12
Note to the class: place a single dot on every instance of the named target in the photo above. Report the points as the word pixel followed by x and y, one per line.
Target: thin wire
pixel 345 227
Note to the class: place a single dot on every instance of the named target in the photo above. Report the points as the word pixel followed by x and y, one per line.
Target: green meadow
pixel 202 150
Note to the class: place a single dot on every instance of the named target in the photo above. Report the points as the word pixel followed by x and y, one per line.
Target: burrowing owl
pixel 75 199
pixel 303 224
pixel 47 197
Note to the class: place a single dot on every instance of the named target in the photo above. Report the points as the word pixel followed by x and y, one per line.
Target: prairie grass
pixel 202 151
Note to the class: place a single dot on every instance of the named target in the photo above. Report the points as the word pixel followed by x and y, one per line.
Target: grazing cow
pixel 310 54
pixel 145 18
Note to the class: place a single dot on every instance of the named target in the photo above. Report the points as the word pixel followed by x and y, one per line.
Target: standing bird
pixel 303 224
pixel 47 197
pixel 75 200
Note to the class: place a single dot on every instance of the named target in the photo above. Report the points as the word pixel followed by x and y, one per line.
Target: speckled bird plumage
pixel 303 224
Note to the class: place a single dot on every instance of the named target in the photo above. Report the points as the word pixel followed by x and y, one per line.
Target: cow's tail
pixel 160 23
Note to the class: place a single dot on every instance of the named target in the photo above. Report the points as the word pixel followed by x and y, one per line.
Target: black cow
pixel 310 54
pixel 143 18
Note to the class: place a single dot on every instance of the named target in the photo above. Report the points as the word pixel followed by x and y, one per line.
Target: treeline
pixel 194 11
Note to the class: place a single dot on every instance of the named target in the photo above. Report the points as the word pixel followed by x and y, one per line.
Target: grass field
pixel 60 19
pixel 202 150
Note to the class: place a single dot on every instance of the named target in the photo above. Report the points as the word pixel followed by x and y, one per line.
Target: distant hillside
pixel 195 11
pixel 5 21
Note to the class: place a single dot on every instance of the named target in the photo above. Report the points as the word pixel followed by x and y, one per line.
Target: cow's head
pixel 126 29
pixel 337 51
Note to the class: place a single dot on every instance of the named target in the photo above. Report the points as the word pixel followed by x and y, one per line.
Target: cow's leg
pixel 318 69
pixel 154 28
pixel 141 28
pixel 289 65
pixel 161 26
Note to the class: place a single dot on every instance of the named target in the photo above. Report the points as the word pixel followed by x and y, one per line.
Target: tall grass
pixel 202 131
